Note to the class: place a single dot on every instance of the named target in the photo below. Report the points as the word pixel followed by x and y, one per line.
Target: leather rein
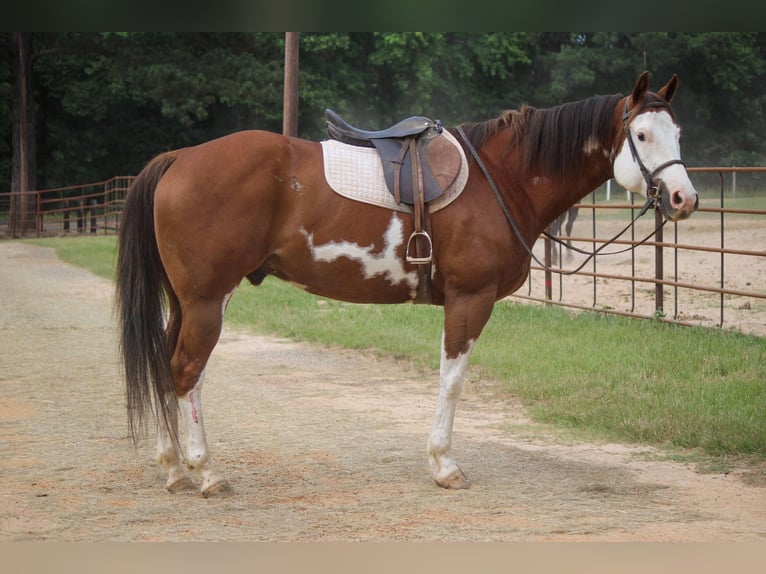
pixel 652 195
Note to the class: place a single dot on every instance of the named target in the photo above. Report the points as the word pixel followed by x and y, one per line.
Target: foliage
pixel 107 102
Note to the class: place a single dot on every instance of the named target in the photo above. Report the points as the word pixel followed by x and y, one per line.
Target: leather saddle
pixel 414 154
pixel 419 165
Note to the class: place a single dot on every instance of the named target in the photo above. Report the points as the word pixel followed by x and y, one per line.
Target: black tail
pixel 141 302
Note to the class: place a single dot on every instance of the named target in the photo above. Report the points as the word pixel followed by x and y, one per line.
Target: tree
pixel 126 104
pixel 102 104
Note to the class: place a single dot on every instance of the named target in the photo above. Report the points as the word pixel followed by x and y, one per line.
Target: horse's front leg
pixel 463 321
pixel 446 472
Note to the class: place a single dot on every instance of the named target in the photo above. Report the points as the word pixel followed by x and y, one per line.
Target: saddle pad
pixel 356 173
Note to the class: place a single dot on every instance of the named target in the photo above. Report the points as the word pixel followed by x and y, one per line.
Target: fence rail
pixel 724 259
pixel 716 278
pixel 92 207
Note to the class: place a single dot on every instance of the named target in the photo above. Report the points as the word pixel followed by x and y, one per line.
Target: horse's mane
pixel 552 140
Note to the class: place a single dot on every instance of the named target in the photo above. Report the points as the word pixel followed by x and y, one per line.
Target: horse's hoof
pixel 183 484
pixel 220 489
pixel 454 481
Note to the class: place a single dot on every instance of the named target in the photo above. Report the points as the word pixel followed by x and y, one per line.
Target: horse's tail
pixel 142 286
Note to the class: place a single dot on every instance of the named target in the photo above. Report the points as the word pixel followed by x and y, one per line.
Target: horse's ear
pixel 642 84
pixel 668 90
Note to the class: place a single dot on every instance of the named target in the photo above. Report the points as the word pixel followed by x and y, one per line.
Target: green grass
pixel 97 253
pixel 598 376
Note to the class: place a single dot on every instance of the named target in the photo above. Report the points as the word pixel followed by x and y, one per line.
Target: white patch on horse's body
pixel 295 185
pixel 386 263
pixel 592 145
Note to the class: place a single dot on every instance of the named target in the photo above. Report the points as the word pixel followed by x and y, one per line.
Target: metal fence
pixel 88 208
pixel 708 270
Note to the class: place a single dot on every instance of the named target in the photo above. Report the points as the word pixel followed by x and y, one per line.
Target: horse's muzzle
pixel 678 204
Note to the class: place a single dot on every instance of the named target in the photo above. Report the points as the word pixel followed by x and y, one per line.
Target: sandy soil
pixel 318 443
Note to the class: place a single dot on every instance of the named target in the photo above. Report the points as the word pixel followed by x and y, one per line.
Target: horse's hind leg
pixel 167 455
pixel 197 452
pixel 199 331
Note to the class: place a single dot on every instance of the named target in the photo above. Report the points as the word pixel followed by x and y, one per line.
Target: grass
pixel 598 376
pixel 97 253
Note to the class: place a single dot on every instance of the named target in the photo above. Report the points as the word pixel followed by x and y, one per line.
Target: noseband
pixel 652 189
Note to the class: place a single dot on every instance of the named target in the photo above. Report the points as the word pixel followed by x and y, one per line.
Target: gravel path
pixel 318 444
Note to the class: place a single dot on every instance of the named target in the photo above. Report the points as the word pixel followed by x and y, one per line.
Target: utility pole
pixel 23 206
pixel 290 109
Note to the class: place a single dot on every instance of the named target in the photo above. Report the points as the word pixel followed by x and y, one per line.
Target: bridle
pixel 652 193
pixel 652 188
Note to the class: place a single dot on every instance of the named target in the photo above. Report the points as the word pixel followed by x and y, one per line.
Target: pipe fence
pixel 91 207
pixel 707 270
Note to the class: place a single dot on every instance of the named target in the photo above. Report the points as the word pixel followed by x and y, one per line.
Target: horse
pixel 253 204
pixel 565 220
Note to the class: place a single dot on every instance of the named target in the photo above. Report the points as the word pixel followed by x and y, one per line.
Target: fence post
pixel 80 215
pixel 659 304
pixel 92 202
pixel 548 275
pixel 39 213
pixel 107 187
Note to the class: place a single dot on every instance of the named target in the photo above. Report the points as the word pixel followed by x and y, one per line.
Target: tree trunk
pixel 23 181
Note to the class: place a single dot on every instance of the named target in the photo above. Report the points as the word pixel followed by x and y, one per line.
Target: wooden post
pixel 290 110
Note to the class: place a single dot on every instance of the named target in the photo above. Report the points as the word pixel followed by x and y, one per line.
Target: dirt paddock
pixel 319 444
pixel 699 268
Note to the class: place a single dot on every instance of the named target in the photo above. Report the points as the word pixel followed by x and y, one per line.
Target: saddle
pixel 419 164
pixel 409 150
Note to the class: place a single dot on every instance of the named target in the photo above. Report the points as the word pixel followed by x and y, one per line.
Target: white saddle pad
pixel 356 173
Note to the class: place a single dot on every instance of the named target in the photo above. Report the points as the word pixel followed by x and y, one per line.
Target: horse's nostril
pixel 677 199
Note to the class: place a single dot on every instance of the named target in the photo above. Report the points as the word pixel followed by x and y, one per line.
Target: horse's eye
pixel 641 136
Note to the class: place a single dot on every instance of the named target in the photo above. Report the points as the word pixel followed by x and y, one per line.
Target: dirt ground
pixel 319 444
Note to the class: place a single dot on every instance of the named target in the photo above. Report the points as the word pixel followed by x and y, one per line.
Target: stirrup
pixel 419 260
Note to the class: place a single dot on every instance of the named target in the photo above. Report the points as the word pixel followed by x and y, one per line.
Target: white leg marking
pixel 385 263
pixel 167 455
pixel 451 377
pixel 197 453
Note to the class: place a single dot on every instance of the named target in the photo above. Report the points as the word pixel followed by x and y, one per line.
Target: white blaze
pixel 657 140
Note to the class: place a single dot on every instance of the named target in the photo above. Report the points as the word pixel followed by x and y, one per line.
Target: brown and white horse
pixel 252 204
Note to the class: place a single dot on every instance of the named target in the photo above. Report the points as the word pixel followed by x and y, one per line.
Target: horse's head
pixel 647 159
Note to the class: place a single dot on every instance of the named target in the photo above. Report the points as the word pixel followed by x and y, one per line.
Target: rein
pixel 652 198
